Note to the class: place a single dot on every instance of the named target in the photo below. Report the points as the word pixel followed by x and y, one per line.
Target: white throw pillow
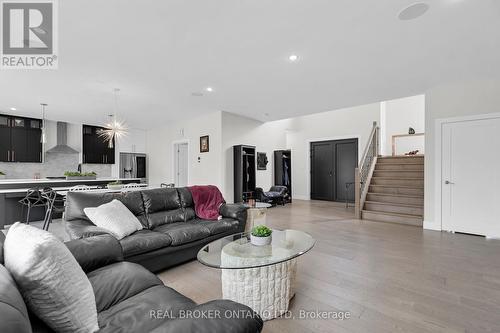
pixel 50 279
pixel 115 217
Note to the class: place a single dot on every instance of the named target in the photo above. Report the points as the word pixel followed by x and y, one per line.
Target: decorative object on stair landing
pixel 204 144
pixel 261 235
pixel 262 161
pixel 413 152
pixel 2 175
pixel 114 128
pixel 411 131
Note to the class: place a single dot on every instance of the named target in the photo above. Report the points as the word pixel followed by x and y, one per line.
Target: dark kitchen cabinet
pixel 20 139
pixel 4 139
pixel 95 149
pixel 34 145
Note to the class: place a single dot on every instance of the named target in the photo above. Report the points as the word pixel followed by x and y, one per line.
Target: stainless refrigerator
pixel 133 166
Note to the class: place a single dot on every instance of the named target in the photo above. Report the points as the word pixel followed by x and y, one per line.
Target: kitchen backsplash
pixel 54 165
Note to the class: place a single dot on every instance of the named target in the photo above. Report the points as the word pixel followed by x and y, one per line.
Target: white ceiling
pixel 159 52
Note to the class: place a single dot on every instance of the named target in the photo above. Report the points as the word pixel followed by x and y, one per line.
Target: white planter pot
pixel 260 241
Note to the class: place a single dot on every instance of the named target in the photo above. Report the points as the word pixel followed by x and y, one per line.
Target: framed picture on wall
pixel 262 161
pixel 204 144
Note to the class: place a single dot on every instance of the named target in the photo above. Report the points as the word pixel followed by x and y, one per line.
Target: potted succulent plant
pixel 261 235
pixel 2 175
pixel 117 185
pixel 73 175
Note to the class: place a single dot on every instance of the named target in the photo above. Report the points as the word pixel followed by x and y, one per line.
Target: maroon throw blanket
pixel 207 200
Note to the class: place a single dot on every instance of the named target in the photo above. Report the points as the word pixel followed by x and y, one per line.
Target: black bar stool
pixel 55 204
pixel 32 199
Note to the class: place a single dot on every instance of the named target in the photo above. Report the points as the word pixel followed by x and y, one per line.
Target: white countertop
pixel 46 180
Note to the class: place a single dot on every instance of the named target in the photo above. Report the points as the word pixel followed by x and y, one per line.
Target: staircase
pixel 396 191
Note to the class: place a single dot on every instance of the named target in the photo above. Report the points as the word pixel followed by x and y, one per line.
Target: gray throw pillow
pixel 115 217
pixel 52 283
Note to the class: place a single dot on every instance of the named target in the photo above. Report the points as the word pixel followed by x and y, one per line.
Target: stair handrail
pixel 364 171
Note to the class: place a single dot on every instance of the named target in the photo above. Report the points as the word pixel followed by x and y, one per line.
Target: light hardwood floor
pixel 391 278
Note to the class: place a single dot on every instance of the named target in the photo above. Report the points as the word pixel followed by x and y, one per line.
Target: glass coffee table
pixel 261 277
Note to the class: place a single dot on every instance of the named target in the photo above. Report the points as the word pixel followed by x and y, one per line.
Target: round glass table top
pixel 237 252
pixel 258 205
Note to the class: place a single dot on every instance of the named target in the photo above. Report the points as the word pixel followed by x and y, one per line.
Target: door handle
pixel 8 155
pixel 13 156
pixel 447 182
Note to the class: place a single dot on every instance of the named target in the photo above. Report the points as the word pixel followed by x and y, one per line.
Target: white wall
pixel 206 170
pixel 447 101
pixel 397 116
pixel 267 137
pixel 355 122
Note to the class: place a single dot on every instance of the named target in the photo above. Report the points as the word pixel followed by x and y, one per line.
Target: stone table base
pixel 267 290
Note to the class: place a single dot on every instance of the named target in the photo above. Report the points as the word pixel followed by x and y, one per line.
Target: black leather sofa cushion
pixel 183 232
pixel 234 317
pixel 163 205
pixel 144 241
pixel 77 201
pixel 186 197
pixel 13 311
pixel 83 229
pixel 219 227
pixel 96 251
pixel 189 214
pixel 164 217
pixel 161 199
pixel 115 283
pixel 132 314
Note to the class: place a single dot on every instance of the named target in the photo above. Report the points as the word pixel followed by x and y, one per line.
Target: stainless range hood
pixel 62 141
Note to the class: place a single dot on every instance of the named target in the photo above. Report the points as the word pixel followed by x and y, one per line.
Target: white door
pixel 470 176
pixel 181 164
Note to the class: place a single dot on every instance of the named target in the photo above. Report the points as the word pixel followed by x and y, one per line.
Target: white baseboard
pixel 301 197
pixel 429 225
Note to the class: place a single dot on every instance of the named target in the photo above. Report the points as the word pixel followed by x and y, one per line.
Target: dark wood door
pixel 332 166
pixel 322 168
pixel 346 160
pixel 4 139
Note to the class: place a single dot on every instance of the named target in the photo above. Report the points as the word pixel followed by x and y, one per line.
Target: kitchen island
pixel 13 190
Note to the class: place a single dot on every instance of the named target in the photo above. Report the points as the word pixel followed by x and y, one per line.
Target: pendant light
pixel 115 129
pixel 43 138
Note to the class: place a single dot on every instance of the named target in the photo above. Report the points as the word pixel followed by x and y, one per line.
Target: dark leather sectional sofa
pixel 128 298
pixel 172 233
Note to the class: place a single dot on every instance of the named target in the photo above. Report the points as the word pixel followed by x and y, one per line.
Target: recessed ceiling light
pixel 13 109
pixel 413 11
pixel 209 89
pixel 293 57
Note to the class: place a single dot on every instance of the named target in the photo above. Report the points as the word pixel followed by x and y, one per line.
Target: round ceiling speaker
pixel 413 11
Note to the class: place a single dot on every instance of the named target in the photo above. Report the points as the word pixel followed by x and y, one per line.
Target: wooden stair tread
pixel 395 186
pixel 396 178
pixel 403 156
pixel 397 195
pixel 393 204
pixel 393 214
